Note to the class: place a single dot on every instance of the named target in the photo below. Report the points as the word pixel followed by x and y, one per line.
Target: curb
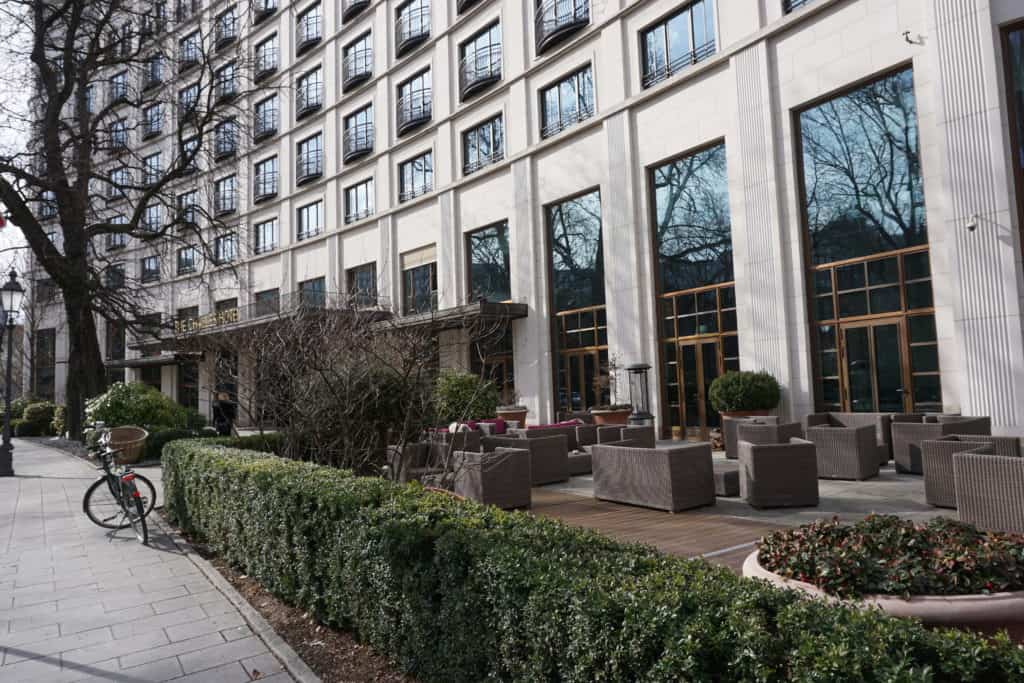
pixel 282 650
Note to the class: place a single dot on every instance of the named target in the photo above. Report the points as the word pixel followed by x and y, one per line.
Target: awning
pixel 459 317
pixel 155 361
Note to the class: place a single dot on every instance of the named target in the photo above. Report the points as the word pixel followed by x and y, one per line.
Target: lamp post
pixel 638 395
pixel 11 295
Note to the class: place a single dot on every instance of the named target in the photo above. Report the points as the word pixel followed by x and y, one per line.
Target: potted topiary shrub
pixel 460 396
pixel 744 393
pixel 513 412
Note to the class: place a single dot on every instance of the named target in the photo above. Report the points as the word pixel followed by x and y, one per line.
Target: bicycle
pixel 118 494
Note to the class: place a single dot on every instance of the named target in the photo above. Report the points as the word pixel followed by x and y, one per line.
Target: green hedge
pixel 264 443
pixel 455 591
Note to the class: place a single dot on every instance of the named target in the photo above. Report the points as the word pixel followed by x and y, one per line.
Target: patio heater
pixel 638 395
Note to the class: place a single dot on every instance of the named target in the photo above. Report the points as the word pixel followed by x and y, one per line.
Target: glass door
pixel 699 365
pixel 874 368
pixel 582 380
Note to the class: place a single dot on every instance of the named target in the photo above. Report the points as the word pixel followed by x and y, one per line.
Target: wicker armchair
pixel 549 457
pixel 425 458
pixel 729 435
pixel 846 452
pixel 881 422
pixel 541 432
pixel 907 438
pixel 765 434
pixel 937 462
pixel 645 436
pixel 778 475
pixel 500 477
pixel 990 489
pixel 669 479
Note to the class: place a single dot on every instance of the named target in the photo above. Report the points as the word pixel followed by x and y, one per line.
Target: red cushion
pixel 499 424
pixel 471 424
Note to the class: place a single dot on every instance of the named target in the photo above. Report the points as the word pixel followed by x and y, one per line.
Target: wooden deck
pixel 702 532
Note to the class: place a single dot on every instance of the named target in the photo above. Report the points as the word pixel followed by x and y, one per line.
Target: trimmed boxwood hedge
pixel 456 591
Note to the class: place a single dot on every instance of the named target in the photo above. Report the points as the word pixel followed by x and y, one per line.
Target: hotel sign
pixel 207 322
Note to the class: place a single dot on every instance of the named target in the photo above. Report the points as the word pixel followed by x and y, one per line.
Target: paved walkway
pixel 81 603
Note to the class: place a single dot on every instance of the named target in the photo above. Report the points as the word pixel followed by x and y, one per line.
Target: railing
pixel 411 28
pixel 225 145
pixel 263 247
pixel 479 69
pixel 266 63
pixel 151 225
pixel 116 240
pixel 357 67
pixel 557 19
pixel 47 210
pixel 681 62
pixel 225 201
pixel 308 32
pixel 306 233
pixel 226 88
pixel 462 5
pixel 309 165
pixel 187 9
pixel 152 78
pixel 226 31
pixel 567 120
pixel 265 124
pixel 119 94
pixel 350 8
pixel 354 216
pixel 414 109
pixel 263 9
pixel 793 5
pixel 308 98
pixel 188 58
pixel 407 193
pixel 150 276
pixel 357 141
pixel 186 266
pixel 422 302
pixel 151 177
pixel 483 161
pixel 264 185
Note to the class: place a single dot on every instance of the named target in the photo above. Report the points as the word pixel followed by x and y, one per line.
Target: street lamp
pixel 11 295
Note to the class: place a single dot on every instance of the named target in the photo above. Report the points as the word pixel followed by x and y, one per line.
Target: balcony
pixel 479 70
pixel 225 146
pixel 266 63
pixel 414 109
pixel 188 59
pixel 119 95
pixel 226 89
pixel 186 10
pixel 406 194
pixel 308 33
pixel 351 8
pixel 265 125
pixel 556 20
pixel 483 161
pixel 357 142
pixel 225 201
pixel 226 32
pixel 358 215
pixel 357 68
pixel 309 166
pixel 151 129
pixel 567 119
pixel 668 69
pixel 264 186
pixel 308 98
pixel 151 80
pixel 411 29
pixel 263 10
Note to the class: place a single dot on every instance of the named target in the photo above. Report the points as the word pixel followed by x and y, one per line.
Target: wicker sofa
pixel 645 437
pixel 420 459
pixel 990 489
pixel 669 479
pixel 846 452
pixel 937 462
pixel 779 474
pixel 758 433
pixel 907 437
pixel 880 422
pixel 549 456
pixel 500 477
pixel 730 425
pixel 569 431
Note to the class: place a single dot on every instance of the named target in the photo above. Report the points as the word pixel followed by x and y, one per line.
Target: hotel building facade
pixel 829 190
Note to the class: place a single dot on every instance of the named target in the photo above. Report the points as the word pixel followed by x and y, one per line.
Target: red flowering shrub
pixel 887 555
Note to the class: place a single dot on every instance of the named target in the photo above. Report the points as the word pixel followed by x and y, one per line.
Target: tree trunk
pixel 86 374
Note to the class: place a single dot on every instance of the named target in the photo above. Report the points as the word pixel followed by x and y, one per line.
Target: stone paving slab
pixel 82 603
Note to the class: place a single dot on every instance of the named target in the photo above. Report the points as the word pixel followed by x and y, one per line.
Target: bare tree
pixel 113 153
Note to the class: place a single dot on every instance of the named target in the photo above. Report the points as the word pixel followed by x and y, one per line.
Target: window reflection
pixel 489 264
pixel 577 256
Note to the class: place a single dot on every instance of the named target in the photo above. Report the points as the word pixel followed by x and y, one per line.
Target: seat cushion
pixel 727 478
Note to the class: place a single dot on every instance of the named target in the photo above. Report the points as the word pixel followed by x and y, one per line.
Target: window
pixel 188 51
pixel 359 201
pixel 189 158
pixel 483 145
pixel 1013 50
pixel 90 99
pixel 153 218
pixel 671 45
pixel 119 135
pixel 154 74
pixel 225 82
pixel 115 339
pixel 793 5
pixel 419 286
pixel 489 271
pixel 358 137
pixel 149 269
pixel 117 240
pixel 267 302
pixel 188 385
pixel 44 363
pixel 415 177
pixel 265 179
pixel 309 158
pixel 265 236
pixel 48 204
pixel 149 330
pixel 412 25
pixel 225 195
pixel 152 169
pixel 567 102
pixel 263 9
pixel 267 59
pixel 227 28
pixel 186 9
pixel 414 102
pixel 114 276
pixel 265 118
pixel 480 60
pixel 225 139
pixel 119 87
pixel 120 183
pixel 188 260
pixel 310 220
pixel 308 31
pixel 152 121
pixel 225 249
pixel 188 208
pixel 313 293
pixel 362 284
pixel 188 101
pixel 309 93
pixel 357 64
pixel 556 20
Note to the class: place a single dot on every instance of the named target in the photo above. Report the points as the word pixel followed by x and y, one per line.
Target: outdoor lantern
pixel 11 295
pixel 638 395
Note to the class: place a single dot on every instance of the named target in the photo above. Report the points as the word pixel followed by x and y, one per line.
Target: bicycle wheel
pixel 102 507
pixel 134 510
pixel 148 492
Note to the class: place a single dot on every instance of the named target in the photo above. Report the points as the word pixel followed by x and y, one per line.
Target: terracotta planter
pixel 513 414
pixel 744 413
pixel 611 417
pixel 985 613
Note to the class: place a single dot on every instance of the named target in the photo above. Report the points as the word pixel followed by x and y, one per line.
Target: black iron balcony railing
pixel 482 161
pixel 357 67
pixel 118 94
pixel 226 31
pixel 357 141
pixel 267 59
pixel 556 20
pixel 47 210
pixel 151 128
pixel 188 57
pixel 225 201
pixel 226 89
pixel 308 98
pixel 309 165
pixel 793 5
pixel 414 109
pixel 151 176
pixel 668 69
pixel 415 190
pixel 308 32
pixel 567 119
pixel 188 110
pixel 150 276
pixel 225 146
pixel 264 186
pixel 188 216
pixel 224 252
pixel 151 224
pixel 350 8
pixel 263 9
pixel 116 240
pixel 186 266
pixel 358 214
pixel 186 9
pixel 305 233
pixel 153 78
pixel 265 124
pixel 411 29
pixel 419 302
pixel 264 247
pixel 479 69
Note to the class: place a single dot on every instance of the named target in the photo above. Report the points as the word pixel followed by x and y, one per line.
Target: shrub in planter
pixel 18 406
pixel 455 591
pixel 744 391
pixel 57 425
pixel 464 396
pixel 140 405
pixel 37 419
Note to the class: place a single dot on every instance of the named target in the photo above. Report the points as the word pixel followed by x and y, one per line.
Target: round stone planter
pixel 512 415
pixel 611 417
pixel 985 613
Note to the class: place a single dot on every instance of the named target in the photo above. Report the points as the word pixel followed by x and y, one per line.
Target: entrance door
pixel 699 365
pixel 874 368
pixel 577 381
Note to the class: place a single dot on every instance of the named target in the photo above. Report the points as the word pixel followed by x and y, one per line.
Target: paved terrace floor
pixel 81 603
pixel 725 533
